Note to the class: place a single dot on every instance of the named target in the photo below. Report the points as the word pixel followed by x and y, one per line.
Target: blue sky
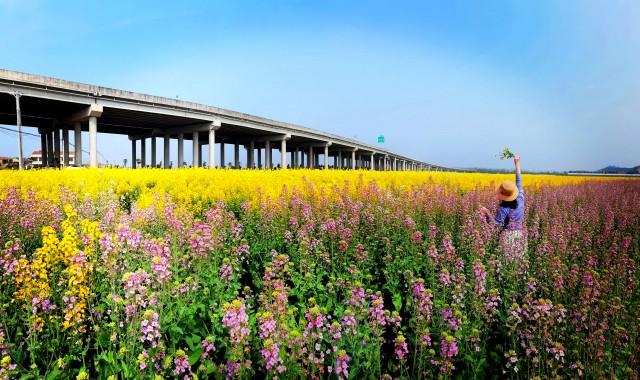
pixel 448 82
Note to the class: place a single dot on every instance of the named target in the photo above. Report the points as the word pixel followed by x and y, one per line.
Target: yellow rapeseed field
pixel 199 183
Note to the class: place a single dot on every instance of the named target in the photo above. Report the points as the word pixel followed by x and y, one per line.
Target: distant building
pixel 5 161
pixel 36 158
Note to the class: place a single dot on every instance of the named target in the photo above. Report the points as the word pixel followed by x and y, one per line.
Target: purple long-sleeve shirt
pixel 512 218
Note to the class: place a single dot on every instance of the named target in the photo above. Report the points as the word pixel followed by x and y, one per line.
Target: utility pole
pixel 17 95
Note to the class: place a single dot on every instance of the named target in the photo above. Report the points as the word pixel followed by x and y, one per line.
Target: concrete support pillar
pixel 246 147
pixel 180 150
pixel 223 164
pixel 236 156
pixel 250 152
pixel 93 141
pixel 153 151
pixel 43 147
pixel 143 152
pixel 56 146
pixel 200 157
pixel 326 156
pixel 259 158
pixel 196 149
pixel 167 156
pixel 283 154
pixel 267 154
pixel 310 158
pixel 133 154
pixel 50 152
pixel 212 148
pixel 65 145
pixel 292 159
pixel 77 135
pixel 353 159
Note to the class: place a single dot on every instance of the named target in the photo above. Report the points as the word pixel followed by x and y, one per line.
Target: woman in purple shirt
pixel 510 216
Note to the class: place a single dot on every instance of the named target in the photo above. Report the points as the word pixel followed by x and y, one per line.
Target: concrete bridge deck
pixel 55 105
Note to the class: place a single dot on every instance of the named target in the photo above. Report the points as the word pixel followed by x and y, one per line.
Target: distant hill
pixel 612 169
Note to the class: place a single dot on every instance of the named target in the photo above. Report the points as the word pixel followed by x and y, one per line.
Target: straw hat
pixel 507 191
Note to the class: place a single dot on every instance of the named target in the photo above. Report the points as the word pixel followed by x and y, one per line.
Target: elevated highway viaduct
pixel 57 107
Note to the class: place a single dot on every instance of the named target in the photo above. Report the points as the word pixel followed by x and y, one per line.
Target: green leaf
pixel 195 356
pixel 53 374
pixel 480 363
pixel 397 301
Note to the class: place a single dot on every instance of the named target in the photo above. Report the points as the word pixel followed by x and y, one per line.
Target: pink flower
pixel 226 271
pixel 479 278
pixel 416 237
pixel 208 348
pixel 181 363
pixel 401 349
pixel 423 299
pixel 237 321
pixel 271 355
pixel 448 346
pixel 150 328
pixel 342 365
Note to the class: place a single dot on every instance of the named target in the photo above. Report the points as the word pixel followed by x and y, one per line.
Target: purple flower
pixel 181 364
pixel 342 365
pixel 401 349
pixel 237 321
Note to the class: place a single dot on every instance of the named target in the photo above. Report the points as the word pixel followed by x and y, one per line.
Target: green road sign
pixel 381 139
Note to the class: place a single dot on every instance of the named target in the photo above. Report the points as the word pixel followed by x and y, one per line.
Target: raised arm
pixel 516 162
pixel 498 218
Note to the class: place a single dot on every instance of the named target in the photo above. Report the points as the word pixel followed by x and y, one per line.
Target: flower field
pixel 194 273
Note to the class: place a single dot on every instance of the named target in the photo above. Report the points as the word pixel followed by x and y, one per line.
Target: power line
pixel 23 132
